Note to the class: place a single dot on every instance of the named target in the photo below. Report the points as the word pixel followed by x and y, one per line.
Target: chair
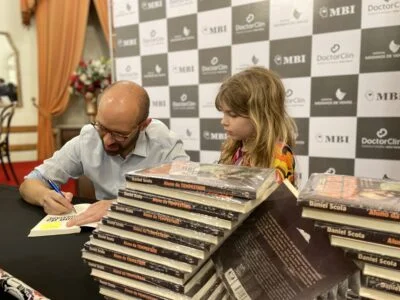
pixel 5 120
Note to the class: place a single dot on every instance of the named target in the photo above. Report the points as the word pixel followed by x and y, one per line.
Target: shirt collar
pixel 141 145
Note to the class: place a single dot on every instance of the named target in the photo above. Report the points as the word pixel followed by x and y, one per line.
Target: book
pixel 375 198
pixel 124 240
pixel 119 292
pixel 358 245
pixel 197 222
pixel 57 224
pixel 381 272
pixel 156 233
pixel 376 294
pixel 184 205
pixel 359 233
pixel 277 254
pixel 372 258
pixel 229 180
pixel 138 258
pixel 381 284
pixel 351 220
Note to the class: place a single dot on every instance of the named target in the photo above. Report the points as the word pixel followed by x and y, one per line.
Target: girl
pixel 260 132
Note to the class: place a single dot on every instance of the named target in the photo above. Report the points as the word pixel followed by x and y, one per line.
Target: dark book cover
pixel 376 259
pixel 164 235
pixel 145 247
pixel 179 204
pixel 134 260
pixel 359 233
pixel 376 198
pixel 381 284
pixel 167 219
pixel 230 180
pixel 278 255
pixel 136 276
pixel 127 290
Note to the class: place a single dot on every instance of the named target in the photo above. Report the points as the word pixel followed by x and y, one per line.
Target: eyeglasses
pixel 118 137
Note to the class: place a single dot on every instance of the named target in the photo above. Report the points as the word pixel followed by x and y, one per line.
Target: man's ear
pixel 145 123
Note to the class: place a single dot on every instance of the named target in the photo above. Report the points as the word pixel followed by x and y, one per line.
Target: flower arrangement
pixel 91 77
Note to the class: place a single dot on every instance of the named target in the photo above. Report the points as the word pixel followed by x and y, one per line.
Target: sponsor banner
pixel 125 13
pixel 214 64
pixel 377 168
pixel 183 67
pixel 182 33
pixel 155 70
pixel 340 166
pixel 151 10
pixel 214 28
pixel 176 8
pixel 188 130
pixel 249 55
pixel 207 95
pixel 153 37
pixel 184 101
pixel 334 96
pixel 128 68
pixel 159 101
pixel 301 170
pixel 378 138
pixel 210 157
pixel 380 13
pixel 333 15
pixel 379 95
pixel 127 41
pixel 301 147
pixel 212 134
pixel 297 96
pixel 212 4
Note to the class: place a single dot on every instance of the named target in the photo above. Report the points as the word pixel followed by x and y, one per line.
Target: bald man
pixel 123 138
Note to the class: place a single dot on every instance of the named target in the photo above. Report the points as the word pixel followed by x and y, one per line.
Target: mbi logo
pixel 214 29
pixel 290 60
pixel 326 12
pixel 183 69
pixel 126 43
pixel 214 136
pixel 332 139
pixel 382 96
pixel 152 5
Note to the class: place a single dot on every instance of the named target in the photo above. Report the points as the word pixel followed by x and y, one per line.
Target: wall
pixel 339 61
pixel 25 41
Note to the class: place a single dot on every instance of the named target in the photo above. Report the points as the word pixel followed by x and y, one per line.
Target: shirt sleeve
pixel 284 162
pixel 177 152
pixel 63 165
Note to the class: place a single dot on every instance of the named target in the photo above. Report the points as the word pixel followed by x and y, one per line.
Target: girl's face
pixel 237 127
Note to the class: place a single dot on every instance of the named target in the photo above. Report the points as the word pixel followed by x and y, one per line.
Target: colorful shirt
pixel 284 162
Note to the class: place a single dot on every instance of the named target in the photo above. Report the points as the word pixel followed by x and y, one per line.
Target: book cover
pixel 230 180
pixel 135 259
pixel 381 284
pixel 57 224
pixel 359 233
pixel 131 243
pixel 169 218
pixel 157 233
pixel 117 291
pixel 376 198
pixel 188 206
pixel 368 293
pixel 372 258
pixel 381 272
pixel 278 255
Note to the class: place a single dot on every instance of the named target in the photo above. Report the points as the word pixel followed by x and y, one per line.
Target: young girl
pixel 260 132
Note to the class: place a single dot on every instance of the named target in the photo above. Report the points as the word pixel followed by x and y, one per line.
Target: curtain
pixel 61 27
pixel 102 13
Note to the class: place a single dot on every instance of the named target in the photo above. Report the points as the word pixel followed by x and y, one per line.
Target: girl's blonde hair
pixel 257 93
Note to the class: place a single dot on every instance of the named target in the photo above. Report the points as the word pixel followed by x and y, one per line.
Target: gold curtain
pixel 61 28
pixel 102 13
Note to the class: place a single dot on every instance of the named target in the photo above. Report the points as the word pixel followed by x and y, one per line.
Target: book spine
pixel 174 238
pixel 136 276
pixel 134 261
pixel 145 247
pixel 190 186
pixel 167 219
pixel 351 210
pixel 360 234
pixel 127 290
pixel 382 284
pixel 179 204
pixel 379 260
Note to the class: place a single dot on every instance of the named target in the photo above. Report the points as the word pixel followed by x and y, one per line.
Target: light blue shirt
pixel 85 155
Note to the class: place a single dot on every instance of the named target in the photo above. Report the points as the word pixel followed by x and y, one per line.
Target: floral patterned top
pixel 284 161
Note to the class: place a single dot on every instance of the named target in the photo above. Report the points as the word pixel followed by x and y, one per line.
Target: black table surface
pixel 52 264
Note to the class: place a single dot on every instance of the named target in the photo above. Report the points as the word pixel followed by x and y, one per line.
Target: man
pixel 122 139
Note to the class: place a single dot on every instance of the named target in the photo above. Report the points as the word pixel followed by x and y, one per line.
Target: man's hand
pixel 55 204
pixel 93 214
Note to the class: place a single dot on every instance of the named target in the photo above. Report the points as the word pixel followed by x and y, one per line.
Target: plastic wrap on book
pixel 17 288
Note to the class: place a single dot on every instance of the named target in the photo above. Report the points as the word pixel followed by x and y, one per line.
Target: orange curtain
pixel 102 12
pixel 61 28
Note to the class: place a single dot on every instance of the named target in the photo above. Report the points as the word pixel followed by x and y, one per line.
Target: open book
pixel 57 224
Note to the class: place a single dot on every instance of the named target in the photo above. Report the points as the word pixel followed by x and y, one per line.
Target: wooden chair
pixel 5 120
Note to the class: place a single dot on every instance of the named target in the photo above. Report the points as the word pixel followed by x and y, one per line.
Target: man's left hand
pixel 93 214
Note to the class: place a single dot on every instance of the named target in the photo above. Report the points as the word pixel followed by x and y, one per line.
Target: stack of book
pixel 362 216
pixel 156 240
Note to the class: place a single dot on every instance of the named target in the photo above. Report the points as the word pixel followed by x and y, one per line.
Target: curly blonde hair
pixel 257 93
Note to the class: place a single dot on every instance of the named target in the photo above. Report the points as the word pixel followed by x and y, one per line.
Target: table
pixel 53 264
